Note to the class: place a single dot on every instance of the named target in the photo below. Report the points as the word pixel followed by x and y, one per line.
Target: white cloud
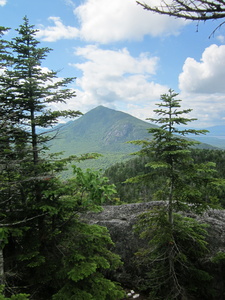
pixel 115 63
pixel 209 109
pixel 57 32
pixel 3 2
pixel 221 38
pixel 206 76
pixel 202 86
pixel 70 3
pixel 117 80
pixel 105 21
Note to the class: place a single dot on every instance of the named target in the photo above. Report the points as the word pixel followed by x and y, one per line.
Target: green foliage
pixel 74 253
pixel 85 257
pixel 129 179
pixel 93 186
pixel 176 244
pixel 135 181
pixel 169 155
pixel 173 260
pixel 169 165
pixel 46 248
pixel 219 257
pixel 87 190
pixel 13 297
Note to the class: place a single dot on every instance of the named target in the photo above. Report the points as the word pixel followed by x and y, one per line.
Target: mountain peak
pixel 102 130
pixel 103 127
pixel 103 109
pixel 103 117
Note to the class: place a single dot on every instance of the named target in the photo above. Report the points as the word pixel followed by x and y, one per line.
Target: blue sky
pixel 125 57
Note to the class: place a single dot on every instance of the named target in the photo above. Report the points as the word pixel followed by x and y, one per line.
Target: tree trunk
pixel 170 205
pixel 1 267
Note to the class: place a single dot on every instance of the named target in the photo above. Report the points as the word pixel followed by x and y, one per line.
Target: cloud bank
pixel 202 85
pixel 117 80
pixel 106 21
pixel 206 76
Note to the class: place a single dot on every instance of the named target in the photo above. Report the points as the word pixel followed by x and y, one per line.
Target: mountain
pixel 217 131
pixel 215 136
pixel 101 130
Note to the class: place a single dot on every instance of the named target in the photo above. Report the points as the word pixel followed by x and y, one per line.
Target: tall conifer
pixel 170 153
pixel 37 210
pixel 169 257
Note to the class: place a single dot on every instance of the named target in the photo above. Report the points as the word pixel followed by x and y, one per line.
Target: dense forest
pixel 128 192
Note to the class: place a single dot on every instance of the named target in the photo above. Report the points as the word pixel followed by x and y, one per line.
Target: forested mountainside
pixel 145 190
pixel 105 131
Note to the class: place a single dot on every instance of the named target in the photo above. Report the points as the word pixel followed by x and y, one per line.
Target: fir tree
pixel 38 211
pixel 169 153
pixel 169 233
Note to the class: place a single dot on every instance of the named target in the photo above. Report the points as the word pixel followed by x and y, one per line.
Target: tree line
pixel 143 191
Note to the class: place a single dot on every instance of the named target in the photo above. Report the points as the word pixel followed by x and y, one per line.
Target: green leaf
pixel 81 271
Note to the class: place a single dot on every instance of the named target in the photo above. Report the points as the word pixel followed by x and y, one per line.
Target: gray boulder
pixel 120 221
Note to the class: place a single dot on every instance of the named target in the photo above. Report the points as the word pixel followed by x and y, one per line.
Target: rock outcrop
pixel 120 221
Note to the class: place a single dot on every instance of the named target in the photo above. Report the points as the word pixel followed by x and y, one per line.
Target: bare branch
pixel 22 221
pixel 199 10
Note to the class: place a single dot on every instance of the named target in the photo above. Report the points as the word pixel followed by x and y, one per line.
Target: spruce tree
pixel 170 157
pixel 38 210
pixel 26 92
pixel 169 257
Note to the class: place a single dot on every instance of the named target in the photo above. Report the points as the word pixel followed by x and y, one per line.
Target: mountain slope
pixel 102 130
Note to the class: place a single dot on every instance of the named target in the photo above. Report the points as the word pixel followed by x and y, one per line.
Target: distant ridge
pixel 102 130
pixel 215 136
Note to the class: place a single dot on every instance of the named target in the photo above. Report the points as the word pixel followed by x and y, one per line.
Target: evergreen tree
pixel 170 157
pixel 26 92
pixel 38 212
pixel 144 190
pixel 174 262
pixel 169 233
